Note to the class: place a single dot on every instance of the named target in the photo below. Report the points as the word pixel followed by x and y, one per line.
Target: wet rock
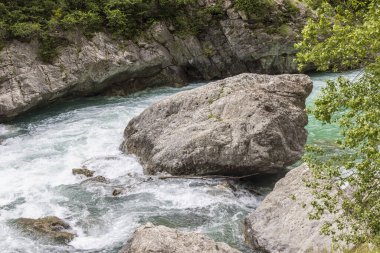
pixel 97 179
pixel 243 125
pixel 281 222
pixel 117 192
pixel 50 228
pixel 226 185
pixel 83 171
pixel 150 238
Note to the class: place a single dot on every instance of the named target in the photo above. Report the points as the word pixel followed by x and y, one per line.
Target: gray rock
pixel 232 13
pixel 50 228
pixel 97 179
pixel 281 222
pixel 102 65
pixel 149 238
pixel 243 15
pixel 83 171
pixel 117 192
pixel 243 125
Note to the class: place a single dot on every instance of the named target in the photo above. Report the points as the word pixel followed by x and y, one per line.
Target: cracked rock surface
pixel 281 223
pixel 150 238
pixel 242 125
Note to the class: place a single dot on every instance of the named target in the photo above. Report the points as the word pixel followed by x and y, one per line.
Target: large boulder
pixel 281 223
pixel 243 125
pixel 51 229
pixel 149 238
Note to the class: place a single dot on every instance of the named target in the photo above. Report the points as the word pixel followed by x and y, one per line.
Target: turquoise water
pixel 41 148
pixel 318 133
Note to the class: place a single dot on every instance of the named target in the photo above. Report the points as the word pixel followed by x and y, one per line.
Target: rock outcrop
pixel 149 238
pixel 102 65
pixel 281 223
pixel 51 229
pixel 243 125
pixel 83 171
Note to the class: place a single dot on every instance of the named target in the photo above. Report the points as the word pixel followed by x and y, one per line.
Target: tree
pixel 346 35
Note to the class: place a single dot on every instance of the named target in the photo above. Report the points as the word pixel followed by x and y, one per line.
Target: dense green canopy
pixel 346 34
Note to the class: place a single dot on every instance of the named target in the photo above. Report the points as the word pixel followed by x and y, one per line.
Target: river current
pixel 40 149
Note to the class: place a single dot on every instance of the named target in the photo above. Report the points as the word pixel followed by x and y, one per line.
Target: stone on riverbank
pixel 51 229
pixel 243 125
pixel 282 224
pixel 150 238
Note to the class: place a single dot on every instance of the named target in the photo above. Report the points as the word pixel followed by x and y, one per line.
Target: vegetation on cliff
pixel 48 20
pixel 346 34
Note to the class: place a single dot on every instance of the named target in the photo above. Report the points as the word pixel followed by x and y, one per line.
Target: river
pixel 41 148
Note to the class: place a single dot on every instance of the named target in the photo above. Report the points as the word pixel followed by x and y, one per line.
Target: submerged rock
pixel 243 125
pixel 281 223
pixel 50 228
pixel 150 238
pixel 117 192
pixel 83 171
pixel 97 179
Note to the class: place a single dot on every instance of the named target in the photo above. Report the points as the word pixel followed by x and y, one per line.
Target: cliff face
pixel 162 57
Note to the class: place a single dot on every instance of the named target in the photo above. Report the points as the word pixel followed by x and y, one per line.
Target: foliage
pixel 346 34
pixel 26 30
pixel 268 11
pixel 86 21
pixel 259 8
pixel 343 36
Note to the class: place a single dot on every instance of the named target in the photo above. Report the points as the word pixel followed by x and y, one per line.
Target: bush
pixel 26 31
pixel 256 9
pixel 85 21
pixel 116 21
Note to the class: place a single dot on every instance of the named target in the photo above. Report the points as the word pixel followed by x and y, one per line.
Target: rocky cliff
pixel 161 57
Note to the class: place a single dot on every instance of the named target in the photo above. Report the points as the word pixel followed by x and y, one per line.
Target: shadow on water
pixel 67 105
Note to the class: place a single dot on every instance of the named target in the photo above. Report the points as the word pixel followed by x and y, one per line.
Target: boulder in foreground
pixel 150 238
pixel 243 125
pixel 50 228
pixel 282 224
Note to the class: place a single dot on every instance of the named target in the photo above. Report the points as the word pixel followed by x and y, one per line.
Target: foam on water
pixel 40 150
